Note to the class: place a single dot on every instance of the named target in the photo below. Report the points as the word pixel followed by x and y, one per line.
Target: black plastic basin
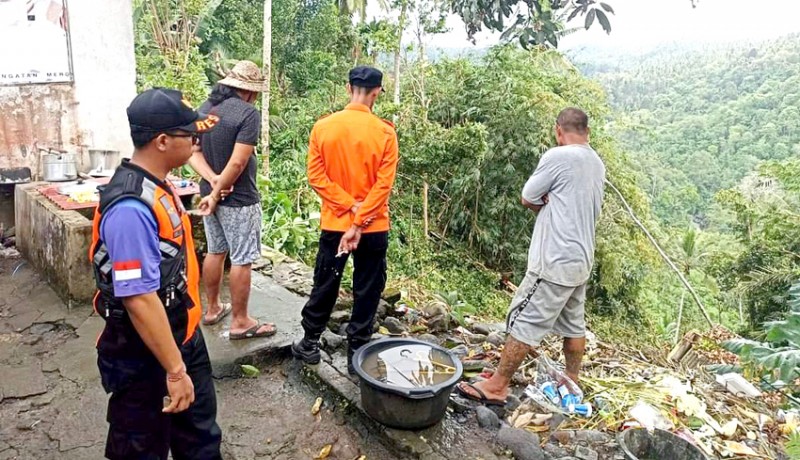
pixel 411 405
pixel 639 444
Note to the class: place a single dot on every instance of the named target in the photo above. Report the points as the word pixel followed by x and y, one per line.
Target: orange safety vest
pixel 180 274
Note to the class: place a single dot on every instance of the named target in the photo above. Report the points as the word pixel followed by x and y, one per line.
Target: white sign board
pixel 34 42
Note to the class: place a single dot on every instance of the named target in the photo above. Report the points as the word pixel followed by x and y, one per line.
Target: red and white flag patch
pixel 128 270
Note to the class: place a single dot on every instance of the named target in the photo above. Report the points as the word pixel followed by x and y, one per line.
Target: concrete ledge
pixel 56 242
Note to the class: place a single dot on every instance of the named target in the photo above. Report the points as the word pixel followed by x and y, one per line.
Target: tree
pixel 537 22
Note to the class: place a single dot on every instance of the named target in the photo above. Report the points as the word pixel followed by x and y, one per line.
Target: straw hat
pixel 247 76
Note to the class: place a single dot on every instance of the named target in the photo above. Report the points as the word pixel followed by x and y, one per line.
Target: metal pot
pixel 402 407
pixel 59 167
pixel 638 443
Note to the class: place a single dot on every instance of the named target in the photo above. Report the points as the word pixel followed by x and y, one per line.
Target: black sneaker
pixel 306 350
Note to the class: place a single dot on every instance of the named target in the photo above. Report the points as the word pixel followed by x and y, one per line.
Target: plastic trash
pixel 738 385
pixel 554 391
pixel 650 418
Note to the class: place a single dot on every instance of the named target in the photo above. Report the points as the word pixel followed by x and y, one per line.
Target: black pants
pixel 369 279
pixel 140 431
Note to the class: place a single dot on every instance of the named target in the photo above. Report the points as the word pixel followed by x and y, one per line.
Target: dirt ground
pixel 52 405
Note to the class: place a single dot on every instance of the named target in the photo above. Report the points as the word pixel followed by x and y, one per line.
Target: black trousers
pixel 369 279
pixel 140 431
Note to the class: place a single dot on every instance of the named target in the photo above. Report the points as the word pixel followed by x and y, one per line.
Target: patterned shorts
pixel 236 230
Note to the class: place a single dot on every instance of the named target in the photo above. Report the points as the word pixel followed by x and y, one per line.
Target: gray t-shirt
pixel 562 247
pixel 240 123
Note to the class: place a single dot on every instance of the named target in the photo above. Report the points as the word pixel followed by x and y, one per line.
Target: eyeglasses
pixel 195 137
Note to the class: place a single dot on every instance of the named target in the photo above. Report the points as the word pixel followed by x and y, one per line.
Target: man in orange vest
pixel 151 354
pixel 352 162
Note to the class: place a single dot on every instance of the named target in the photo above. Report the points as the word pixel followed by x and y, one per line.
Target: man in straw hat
pixel 232 205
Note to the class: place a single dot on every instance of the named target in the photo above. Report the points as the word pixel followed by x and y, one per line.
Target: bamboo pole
pixel 267 58
pixel 662 253
pixel 680 316
pixel 425 208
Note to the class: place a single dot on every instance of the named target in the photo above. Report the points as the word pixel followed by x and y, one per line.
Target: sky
pixel 639 24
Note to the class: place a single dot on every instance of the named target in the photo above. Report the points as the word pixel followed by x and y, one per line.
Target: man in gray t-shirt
pixel 566 190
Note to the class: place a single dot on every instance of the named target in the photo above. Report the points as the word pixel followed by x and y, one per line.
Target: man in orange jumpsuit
pixel 352 162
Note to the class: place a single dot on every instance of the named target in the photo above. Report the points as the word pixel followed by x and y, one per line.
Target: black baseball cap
pixel 161 110
pixel 366 77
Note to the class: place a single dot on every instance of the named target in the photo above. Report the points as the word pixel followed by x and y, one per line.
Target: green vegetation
pixel 685 147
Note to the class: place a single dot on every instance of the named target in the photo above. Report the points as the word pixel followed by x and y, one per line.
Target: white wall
pixel 88 113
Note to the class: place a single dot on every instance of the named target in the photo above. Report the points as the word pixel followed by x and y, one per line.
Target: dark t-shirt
pixel 240 123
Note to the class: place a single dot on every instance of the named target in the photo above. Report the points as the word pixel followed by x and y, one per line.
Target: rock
pixel 438 323
pixel 477 339
pixel 430 338
pixel 331 341
pixel 500 411
pixel 41 328
pixel 486 329
pixel 523 444
pixel 496 338
pixel 556 451
pixel 512 402
pixel 486 418
pixel 394 325
pixel 563 437
pixel 433 309
pixel 383 309
pixel 343 329
pixel 459 404
pixel 567 458
pixel 391 295
pixel 338 318
pixel 584 453
pixel 343 304
pixel 591 437
pixel 459 351
pixel 556 421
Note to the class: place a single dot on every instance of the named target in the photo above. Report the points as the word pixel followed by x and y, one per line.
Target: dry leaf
pixel 538 429
pixel 471 354
pixel 317 405
pixel 541 419
pixel 323 454
pixel 738 448
pixel 363 457
pixel 523 420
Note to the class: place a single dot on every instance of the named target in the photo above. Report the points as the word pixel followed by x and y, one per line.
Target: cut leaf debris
pixel 324 453
pixel 250 371
pixel 316 407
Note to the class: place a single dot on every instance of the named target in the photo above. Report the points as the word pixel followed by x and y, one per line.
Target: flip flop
pixel 226 309
pixel 253 333
pixel 481 399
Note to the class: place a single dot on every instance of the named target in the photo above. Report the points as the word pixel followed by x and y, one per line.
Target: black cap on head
pixel 160 110
pixel 366 77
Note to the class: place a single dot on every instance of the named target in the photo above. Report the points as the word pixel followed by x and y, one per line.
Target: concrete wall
pixel 86 114
pixel 55 242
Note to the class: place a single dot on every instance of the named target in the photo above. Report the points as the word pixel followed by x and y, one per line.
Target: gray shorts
pixel 540 307
pixel 236 230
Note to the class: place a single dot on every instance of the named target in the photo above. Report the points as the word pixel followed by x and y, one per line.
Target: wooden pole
pixel 662 253
pixel 267 58
pixel 680 316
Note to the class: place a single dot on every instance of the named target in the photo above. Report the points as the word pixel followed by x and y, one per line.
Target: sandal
pixel 226 309
pixel 254 333
pixel 481 398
